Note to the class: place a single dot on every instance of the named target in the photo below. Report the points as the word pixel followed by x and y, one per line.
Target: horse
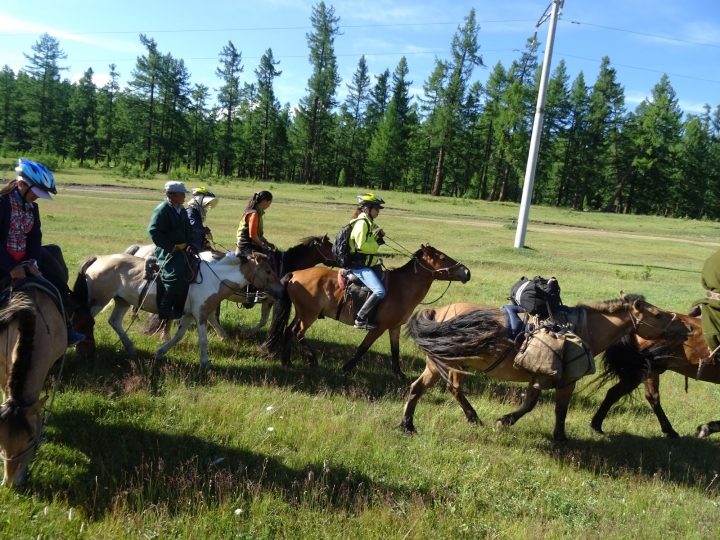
pixel 32 338
pixel 634 360
pixel 471 335
pixel 121 278
pixel 311 251
pixel 316 292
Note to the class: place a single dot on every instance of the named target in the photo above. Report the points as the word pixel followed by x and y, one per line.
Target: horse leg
pixel 562 402
pixel 203 341
pixel 185 323
pixel 395 351
pixel 300 329
pixel 428 379
pixel 287 342
pixel 215 324
pixel 614 394
pixel 707 429
pixel 120 308
pixel 370 338
pixel 264 316
pixel 166 328
pixel 652 394
pixel 455 387
pixel 531 398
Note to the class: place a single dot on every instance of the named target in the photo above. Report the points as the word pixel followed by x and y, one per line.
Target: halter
pixel 40 430
pixel 636 321
pixel 326 259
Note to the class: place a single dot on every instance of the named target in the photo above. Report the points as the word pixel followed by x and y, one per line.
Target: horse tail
pixel 153 325
pixel 626 362
pixel 460 337
pixel 22 310
pixel 80 293
pixel 275 339
pixel 132 250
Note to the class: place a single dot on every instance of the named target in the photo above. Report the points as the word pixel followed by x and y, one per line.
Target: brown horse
pixel 465 335
pixel 32 337
pixel 634 360
pixel 315 292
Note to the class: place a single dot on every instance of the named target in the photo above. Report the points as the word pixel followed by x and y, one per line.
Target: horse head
pixel 441 266
pixel 257 271
pixel 651 322
pixel 20 433
pixel 324 248
pixel 82 319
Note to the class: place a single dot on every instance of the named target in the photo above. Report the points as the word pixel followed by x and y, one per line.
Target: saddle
pixel 355 291
pixel 8 288
pixel 152 275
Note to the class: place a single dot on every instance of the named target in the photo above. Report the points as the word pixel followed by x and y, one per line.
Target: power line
pixel 640 68
pixel 188 30
pixel 645 34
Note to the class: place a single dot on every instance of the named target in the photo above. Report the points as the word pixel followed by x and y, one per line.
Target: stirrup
pixel 73 337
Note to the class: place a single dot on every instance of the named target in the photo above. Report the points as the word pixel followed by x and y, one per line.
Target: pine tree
pixel 266 74
pixel 229 97
pixel 83 106
pixel 315 111
pixel 144 85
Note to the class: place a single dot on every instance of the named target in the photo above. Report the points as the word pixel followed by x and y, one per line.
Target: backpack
pixel 341 246
pixel 536 295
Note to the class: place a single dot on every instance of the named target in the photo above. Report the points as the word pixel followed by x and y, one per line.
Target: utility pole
pixel 556 6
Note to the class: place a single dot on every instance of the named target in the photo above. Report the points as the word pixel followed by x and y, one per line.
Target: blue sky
pixel 96 33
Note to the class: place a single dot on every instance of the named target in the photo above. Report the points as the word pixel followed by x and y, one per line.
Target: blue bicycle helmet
pixel 36 175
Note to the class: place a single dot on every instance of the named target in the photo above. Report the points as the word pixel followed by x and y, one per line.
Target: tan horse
pixel 315 292
pixel 634 360
pixel 464 335
pixel 121 278
pixel 32 338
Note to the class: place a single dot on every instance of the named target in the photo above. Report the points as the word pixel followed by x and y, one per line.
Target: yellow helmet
pixel 202 190
pixel 371 200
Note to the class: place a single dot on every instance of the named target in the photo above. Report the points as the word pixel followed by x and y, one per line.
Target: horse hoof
pixel 347 369
pixel 560 438
pixel 597 429
pixel 408 428
pixel 503 422
pixel 158 355
pixel 672 435
pixel 702 431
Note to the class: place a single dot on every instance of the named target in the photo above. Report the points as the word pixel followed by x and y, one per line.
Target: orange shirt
pixel 253 220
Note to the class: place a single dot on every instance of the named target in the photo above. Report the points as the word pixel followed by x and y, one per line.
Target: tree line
pixel 459 138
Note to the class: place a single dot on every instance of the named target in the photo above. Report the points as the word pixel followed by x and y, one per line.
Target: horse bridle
pixel 637 320
pixel 326 260
pixel 40 430
pixel 433 271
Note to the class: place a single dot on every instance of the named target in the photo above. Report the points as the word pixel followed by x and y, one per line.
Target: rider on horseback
pixel 21 251
pixel 202 200
pixel 171 232
pixel 251 236
pixel 365 240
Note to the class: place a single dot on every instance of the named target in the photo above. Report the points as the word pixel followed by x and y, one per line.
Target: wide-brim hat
pixel 175 187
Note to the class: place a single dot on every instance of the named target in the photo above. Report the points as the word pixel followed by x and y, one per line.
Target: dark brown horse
pixel 460 336
pixel 634 360
pixel 315 292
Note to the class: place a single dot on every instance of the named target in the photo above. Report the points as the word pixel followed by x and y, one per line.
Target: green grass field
pixel 138 448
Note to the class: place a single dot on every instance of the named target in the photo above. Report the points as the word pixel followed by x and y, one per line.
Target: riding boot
pixel 73 337
pixel 167 308
pixel 362 322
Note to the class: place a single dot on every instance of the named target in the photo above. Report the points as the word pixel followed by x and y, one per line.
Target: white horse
pixel 122 278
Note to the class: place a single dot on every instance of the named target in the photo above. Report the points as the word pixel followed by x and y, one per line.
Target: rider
pixel 21 251
pixel 171 232
pixel 202 200
pixel 365 240
pixel 251 236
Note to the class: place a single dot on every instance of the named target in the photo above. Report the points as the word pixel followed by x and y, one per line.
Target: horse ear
pixel 638 304
pixel 622 296
pixel 35 407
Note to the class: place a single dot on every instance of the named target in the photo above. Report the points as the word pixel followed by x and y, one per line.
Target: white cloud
pixel 11 25
pixel 690 106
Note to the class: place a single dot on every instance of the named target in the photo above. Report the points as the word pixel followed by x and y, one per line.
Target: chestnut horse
pixel 634 360
pixel 122 278
pixel 311 251
pixel 32 338
pixel 465 335
pixel 315 292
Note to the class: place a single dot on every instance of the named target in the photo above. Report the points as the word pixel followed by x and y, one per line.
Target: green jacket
pixel 363 241
pixel 167 229
pixel 711 313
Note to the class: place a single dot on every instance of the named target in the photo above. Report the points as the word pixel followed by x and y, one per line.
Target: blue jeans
pixel 370 280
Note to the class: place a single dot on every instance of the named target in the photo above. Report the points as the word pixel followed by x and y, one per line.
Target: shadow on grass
pixel 685 461
pixel 105 467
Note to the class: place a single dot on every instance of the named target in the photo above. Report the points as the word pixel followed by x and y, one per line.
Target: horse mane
pixel 410 262
pixel 616 304
pixel 22 310
pixel 227 260
pixel 80 290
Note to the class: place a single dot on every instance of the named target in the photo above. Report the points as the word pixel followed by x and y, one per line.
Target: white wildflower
pixel 271 428
pixel 238 511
